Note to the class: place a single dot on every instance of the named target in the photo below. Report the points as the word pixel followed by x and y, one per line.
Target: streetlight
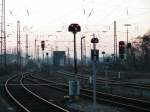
pixel 81 50
pixel 127 25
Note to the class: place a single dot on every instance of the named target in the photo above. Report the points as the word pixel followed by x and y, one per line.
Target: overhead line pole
pixel 5 63
pixel 26 48
pixel 127 25
pixel 115 42
pixel 18 48
pixel 38 58
pixel 82 50
pixel 68 56
pixel 3 36
pixel 35 50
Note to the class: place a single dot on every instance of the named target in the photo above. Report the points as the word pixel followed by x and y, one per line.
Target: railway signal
pixel 94 40
pixel 128 45
pixel 74 85
pixel 121 49
pixel 74 28
pixel 43 47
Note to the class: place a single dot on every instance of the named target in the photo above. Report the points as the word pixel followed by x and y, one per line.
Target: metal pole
pixel 1 33
pixel 75 55
pixel 43 55
pixel 103 53
pixel 38 54
pixel 1 53
pixel 26 48
pixel 47 58
pixel 84 52
pixel 68 56
pixel 127 34
pixel 115 42
pixel 5 61
pixel 94 80
pixel 18 48
pixel 81 53
pixel 17 61
pixel 52 53
pixel 35 50
pixel 3 36
pixel 127 25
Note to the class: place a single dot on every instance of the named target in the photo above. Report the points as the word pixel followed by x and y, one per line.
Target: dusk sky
pixel 40 18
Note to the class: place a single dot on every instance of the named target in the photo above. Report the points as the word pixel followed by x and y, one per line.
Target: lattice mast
pixel 115 42
pixel 18 48
pixel 3 35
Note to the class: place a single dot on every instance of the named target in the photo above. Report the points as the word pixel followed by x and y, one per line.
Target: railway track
pixel 130 103
pixel 26 99
pixel 125 89
pixel 48 91
pixel 102 81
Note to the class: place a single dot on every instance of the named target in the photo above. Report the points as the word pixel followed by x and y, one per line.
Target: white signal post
pixel 94 40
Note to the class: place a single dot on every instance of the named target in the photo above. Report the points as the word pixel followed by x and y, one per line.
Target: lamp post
pixel 127 25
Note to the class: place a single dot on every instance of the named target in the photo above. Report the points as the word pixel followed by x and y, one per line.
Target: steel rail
pixel 110 98
pixel 13 98
pixel 114 82
pixel 50 103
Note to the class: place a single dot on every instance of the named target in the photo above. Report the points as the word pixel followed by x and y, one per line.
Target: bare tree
pixel 141 52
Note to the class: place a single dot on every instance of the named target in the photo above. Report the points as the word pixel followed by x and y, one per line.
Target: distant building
pixel 59 58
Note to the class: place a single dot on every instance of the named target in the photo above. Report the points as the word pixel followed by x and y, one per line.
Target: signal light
pixel 121 49
pixel 94 40
pixel 74 28
pixel 43 45
pixel 128 45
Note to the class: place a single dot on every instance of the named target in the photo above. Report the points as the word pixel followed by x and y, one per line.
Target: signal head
pixel 74 27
